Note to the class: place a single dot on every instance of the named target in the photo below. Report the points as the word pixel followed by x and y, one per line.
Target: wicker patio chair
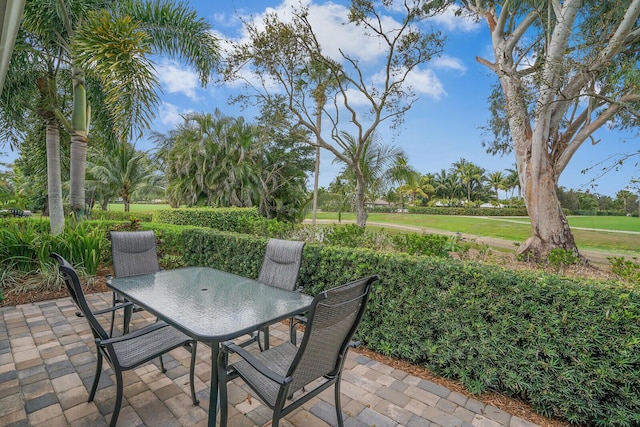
pixel 133 253
pixel 280 268
pixel 128 351
pixel 277 373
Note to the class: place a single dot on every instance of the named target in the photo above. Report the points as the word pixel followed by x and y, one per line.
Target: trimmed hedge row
pixel 229 219
pixel 100 215
pixel 444 210
pixel 571 348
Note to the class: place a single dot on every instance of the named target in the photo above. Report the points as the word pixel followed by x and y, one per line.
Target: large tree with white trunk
pixel 565 70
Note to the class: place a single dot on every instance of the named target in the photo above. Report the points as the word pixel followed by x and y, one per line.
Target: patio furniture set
pixel 205 305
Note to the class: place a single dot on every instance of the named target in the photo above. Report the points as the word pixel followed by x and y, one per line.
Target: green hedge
pixel 571 348
pixel 229 219
pixel 443 210
pixel 100 215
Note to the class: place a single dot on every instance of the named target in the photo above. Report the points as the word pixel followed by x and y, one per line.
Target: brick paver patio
pixel 47 362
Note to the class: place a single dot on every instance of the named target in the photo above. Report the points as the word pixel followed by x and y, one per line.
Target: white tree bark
pixel 543 141
pixel 54 181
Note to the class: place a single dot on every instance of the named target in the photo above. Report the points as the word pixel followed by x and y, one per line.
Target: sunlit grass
pixel 138 207
pixel 516 229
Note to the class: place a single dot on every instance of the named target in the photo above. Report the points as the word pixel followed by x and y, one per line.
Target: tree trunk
pixel 80 125
pixel 54 180
pixel 314 209
pixel 78 169
pixel 550 228
pixel 361 210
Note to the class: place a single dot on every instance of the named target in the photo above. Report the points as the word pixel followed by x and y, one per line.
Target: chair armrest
pixel 132 335
pixel 258 365
pixel 114 308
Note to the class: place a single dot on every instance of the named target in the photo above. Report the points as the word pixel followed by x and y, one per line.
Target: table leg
pixel 128 314
pixel 213 393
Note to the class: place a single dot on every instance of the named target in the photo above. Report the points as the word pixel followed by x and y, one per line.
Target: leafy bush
pixel 626 269
pixel 422 244
pixel 25 246
pixel 560 258
pixel 99 214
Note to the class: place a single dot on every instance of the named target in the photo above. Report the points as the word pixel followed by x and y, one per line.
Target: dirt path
pixel 596 257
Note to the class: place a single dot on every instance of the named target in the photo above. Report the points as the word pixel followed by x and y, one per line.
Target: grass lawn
pixel 517 229
pixel 138 207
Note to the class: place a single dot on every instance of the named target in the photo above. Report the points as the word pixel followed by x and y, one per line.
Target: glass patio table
pixel 210 306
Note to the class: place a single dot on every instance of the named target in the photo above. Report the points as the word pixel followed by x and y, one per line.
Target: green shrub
pixel 99 214
pixel 349 235
pixel 422 244
pixel 560 258
pixel 626 269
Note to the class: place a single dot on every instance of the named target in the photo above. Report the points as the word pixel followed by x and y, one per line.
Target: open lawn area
pixel 138 207
pixel 624 238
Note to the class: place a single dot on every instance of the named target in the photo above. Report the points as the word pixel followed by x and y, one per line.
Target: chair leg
pixel 265 331
pixel 194 347
pixel 119 393
pixel 162 368
pixel 293 332
pixel 336 387
pixel 96 377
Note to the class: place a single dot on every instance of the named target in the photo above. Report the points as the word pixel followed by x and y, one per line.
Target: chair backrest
pixel 134 253
pixel 281 264
pixel 71 280
pixel 334 318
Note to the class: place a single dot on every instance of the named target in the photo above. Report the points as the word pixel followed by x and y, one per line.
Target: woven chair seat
pixel 278 359
pixel 147 346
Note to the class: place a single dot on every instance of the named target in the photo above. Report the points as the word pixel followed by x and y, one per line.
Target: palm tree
pixel 224 161
pixel 447 185
pixel 33 90
pixel 427 184
pixel 378 165
pixel 317 76
pixel 513 181
pixel 413 188
pixel 127 174
pixel 470 174
pixel 497 181
pixel 110 43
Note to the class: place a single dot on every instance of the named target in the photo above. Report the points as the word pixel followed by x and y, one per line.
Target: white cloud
pixel 177 79
pixel 169 114
pixel 328 21
pixel 451 22
pixel 449 63
pixel 426 82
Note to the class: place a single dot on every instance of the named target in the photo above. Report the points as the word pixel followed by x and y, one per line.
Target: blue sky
pixel 442 126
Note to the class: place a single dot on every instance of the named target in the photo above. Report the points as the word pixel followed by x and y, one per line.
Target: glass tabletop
pixel 208 304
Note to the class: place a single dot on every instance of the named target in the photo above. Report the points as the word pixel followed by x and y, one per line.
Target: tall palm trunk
pixel 80 125
pixel 78 168
pixel 47 89
pixel 54 181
